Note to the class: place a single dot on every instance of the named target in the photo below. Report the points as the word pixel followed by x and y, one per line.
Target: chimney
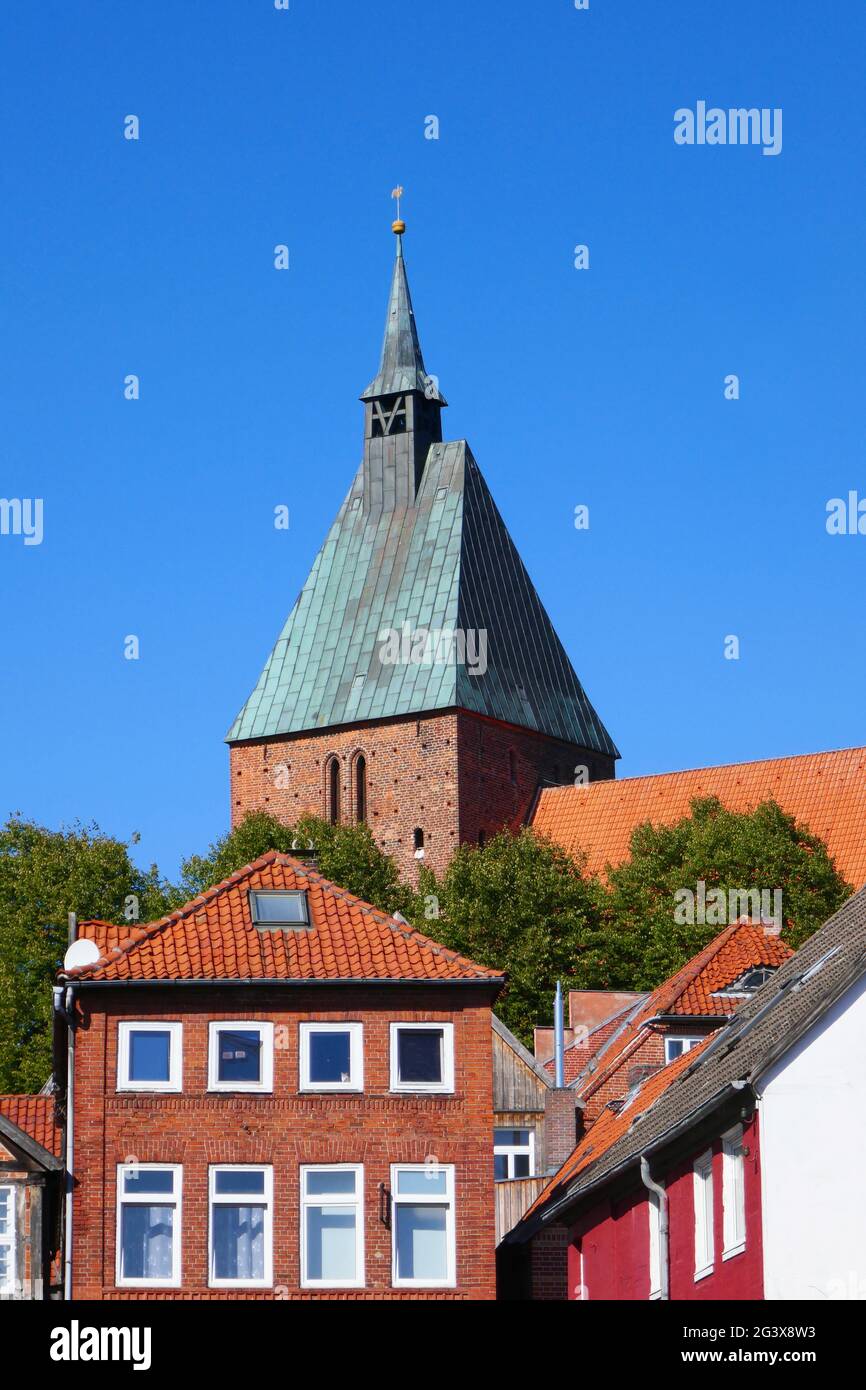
pixel 587 1008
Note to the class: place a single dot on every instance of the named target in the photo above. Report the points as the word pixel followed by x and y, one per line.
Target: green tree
pixel 640 942
pixel 519 904
pixel 346 854
pixel 44 875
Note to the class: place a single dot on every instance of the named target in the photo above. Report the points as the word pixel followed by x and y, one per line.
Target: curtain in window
pixel 238 1242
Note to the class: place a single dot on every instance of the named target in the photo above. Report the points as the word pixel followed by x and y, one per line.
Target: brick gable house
pixel 31 1171
pixel 430 744
pixel 714 1178
pixel 604 1063
pixel 280 1092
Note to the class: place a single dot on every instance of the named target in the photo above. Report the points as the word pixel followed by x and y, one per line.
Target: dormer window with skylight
pixel 273 909
pixel 747 983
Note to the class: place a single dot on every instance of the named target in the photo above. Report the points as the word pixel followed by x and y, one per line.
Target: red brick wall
pixel 548 1256
pixel 411 782
pixel 487 754
pixel 285 1129
pixel 560 1125
pixel 448 774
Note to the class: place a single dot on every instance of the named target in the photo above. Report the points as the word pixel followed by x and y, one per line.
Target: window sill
pixel 734 1250
pixel 704 1273
pixel 420 1090
pixel 332 1088
pixel 239 1090
pixel 240 1283
pixel 151 1089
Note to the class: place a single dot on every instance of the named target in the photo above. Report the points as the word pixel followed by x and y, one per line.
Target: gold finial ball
pixel 398 227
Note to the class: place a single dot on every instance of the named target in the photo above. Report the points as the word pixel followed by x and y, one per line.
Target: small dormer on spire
pixel 403 401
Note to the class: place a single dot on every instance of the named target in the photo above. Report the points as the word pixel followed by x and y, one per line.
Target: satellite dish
pixel 83 952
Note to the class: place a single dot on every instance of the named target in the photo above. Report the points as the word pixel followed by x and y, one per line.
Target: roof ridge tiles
pixel 708 767
pixel 416 943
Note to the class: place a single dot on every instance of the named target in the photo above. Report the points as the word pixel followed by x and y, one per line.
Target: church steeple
pixel 402 404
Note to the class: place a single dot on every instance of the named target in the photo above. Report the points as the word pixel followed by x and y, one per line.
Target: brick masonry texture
pixel 453 775
pixel 285 1129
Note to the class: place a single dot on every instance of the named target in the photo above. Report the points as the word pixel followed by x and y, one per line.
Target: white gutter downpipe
pixel 558 1039
pixel 70 1123
pixel 664 1242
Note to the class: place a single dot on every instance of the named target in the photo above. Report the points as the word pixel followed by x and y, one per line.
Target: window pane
pixel 5 1211
pixel 331 1243
pixel 420 1055
pixel 280 907
pixel 148 1180
pixel 239 1055
pixel 521 1165
pixel 145 1241
pixel 422 1250
pixel 327 1183
pixel 674 1048
pixel 5 1265
pixel 512 1138
pixel 149 1056
pixel 500 1167
pixel 238 1242
pixel 238 1181
pixel 330 1057
pixel 426 1182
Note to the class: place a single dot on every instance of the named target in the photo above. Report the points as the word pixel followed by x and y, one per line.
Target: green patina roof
pixel 432 559
pixel 402 365
pixel 445 562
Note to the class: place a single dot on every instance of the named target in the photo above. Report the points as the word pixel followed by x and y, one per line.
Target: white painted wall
pixel 813 1167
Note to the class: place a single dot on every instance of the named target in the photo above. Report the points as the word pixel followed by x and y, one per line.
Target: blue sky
pixel 602 387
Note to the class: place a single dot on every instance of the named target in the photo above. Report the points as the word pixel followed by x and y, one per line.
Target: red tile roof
pixel 690 993
pixel 824 791
pixel 213 938
pixel 35 1116
pixel 612 1125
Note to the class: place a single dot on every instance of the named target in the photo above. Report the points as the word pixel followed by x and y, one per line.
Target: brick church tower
pixel 418 683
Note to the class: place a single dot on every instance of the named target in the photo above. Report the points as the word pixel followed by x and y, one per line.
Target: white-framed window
pixel 149 1056
pixel 513 1153
pixel 332 1226
pixel 654 1206
pixel 241 1226
pixel 422 1056
pixel 332 1056
pixel 678 1043
pixel 422 1225
pixel 148 1225
pixel 704 1238
pixel 272 909
pixel 241 1056
pixel 733 1193
pixel 8 1262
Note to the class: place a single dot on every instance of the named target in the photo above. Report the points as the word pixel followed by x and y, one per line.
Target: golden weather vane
pixel 398 225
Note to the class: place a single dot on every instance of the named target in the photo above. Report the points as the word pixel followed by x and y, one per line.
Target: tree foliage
pixel 44 875
pixel 519 904
pixel 639 942
pixel 346 854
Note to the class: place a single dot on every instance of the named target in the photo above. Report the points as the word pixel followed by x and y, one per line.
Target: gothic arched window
pixel 334 791
pixel 360 788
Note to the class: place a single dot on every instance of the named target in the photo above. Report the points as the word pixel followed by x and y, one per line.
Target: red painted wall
pixel 609 1248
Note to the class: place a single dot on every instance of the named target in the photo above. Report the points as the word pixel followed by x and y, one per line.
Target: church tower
pixel 418 683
